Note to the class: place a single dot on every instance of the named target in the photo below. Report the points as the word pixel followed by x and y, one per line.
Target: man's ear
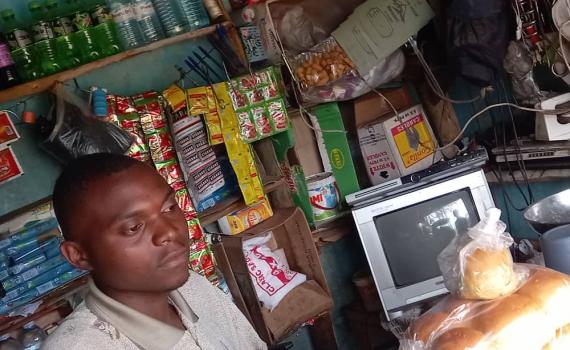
pixel 76 256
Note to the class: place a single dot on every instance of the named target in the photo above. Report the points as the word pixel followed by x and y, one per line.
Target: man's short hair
pixel 71 185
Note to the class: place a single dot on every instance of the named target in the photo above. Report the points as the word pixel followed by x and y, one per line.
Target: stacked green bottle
pixel 105 30
pixel 44 43
pixel 67 54
pixel 20 42
pixel 83 35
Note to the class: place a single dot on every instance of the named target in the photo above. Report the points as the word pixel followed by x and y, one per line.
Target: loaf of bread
pixel 536 316
pixel 488 274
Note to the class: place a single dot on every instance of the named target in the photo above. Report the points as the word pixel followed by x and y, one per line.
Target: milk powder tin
pixel 323 196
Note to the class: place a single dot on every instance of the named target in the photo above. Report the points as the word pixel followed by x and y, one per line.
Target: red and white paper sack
pixel 269 271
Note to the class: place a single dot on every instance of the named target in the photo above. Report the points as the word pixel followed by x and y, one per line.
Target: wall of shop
pixel 150 71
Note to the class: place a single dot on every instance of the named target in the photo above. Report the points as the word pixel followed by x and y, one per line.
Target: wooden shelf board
pixel 46 83
pixel 234 203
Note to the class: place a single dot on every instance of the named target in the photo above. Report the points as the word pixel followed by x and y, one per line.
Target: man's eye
pixel 135 228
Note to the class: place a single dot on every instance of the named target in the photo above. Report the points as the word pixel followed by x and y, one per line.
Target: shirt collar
pixel 146 332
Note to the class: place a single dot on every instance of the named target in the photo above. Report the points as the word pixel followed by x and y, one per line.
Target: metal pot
pixel 550 212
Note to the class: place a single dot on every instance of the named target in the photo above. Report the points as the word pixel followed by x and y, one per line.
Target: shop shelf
pixel 234 203
pixel 46 83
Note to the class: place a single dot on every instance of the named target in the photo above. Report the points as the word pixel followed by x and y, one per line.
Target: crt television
pixel 403 234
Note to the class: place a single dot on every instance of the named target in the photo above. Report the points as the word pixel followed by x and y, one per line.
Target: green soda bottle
pixel 105 30
pixel 67 54
pixel 27 64
pixel 42 33
pixel 82 38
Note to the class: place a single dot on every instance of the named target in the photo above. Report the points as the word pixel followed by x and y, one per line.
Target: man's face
pixel 133 234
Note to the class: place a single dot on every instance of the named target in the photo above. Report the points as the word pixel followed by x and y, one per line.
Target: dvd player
pixel 442 169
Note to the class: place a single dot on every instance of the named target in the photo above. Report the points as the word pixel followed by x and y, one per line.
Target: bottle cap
pixel 34 5
pixel 6 14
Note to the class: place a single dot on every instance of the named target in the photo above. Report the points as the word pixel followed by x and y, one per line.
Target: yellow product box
pixel 396 146
pixel 243 219
pixel 239 152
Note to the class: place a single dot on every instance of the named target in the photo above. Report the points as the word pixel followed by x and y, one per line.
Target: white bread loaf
pixel 488 274
pixel 536 316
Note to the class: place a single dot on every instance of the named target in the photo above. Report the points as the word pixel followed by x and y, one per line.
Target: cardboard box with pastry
pixel 494 304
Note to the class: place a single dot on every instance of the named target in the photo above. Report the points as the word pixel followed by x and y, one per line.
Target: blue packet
pixel 15 281
pixel 48 276
pixel 26 265
pixel 33 230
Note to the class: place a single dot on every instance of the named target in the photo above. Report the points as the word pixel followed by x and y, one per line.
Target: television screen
pixel 412 237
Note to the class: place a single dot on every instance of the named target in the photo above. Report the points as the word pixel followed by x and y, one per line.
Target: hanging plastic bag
pixel 269 273
pixel 77 132
pixel 478 264
pixel 327 74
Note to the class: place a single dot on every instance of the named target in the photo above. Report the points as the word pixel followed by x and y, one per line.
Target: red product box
pixel 9 166
pixel 8 132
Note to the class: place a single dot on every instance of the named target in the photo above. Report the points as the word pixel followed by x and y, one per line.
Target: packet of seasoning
pixel 247 128
pixel 170 171
pixel 201 259
pixel 262 122
pixel 255 97
pixel 278 114
pixel 198 100
pixel 194 229
pixel 160 145
pixel 239 153
pixel 213 122
pixel 239 100
pixel 175 97
pixel 183 199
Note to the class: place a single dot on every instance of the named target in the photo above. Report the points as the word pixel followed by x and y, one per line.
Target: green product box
pixel 293 173
pixel 336 144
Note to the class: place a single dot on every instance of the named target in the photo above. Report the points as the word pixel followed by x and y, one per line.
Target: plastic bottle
pixel 67 54
pixel 16 35
pixel 33 337
pixel 82 38
pixel 99 101
pixel 42 33
pixel 195 13
pixel 104 30
pixel 127 25
pixel 171 16
pixel 148 20
pixel 8 75
pixel 8 343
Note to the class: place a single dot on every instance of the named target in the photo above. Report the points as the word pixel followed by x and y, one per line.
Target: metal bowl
pixel 550 212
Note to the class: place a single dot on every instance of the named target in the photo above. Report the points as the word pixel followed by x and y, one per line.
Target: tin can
pixel 323 196
pixel 101 14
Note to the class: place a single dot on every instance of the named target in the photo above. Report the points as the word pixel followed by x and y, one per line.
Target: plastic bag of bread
pixel 535 317
pixel 325 73
pixel 478 264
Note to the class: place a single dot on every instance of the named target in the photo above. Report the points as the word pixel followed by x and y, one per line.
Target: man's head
pixel 121 221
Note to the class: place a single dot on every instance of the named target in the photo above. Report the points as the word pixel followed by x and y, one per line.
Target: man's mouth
pixel 175 258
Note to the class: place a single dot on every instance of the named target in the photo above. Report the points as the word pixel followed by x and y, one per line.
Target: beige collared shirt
pixel 212 322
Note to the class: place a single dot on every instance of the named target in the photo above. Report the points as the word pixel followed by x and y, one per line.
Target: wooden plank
pixel 235 202
pixel 44 84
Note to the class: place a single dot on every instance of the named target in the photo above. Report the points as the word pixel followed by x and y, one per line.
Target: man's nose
pixel 164 231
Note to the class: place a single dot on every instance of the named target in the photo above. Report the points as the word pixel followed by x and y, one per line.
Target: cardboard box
pixel 393 147
pixel 335 143
pixel 243 219
pixel 310 299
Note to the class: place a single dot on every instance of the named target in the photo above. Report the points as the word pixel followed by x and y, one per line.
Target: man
pixel 122 223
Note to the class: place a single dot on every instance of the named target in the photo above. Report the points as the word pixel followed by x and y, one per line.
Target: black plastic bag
pixel 76 132
pixel 477 39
